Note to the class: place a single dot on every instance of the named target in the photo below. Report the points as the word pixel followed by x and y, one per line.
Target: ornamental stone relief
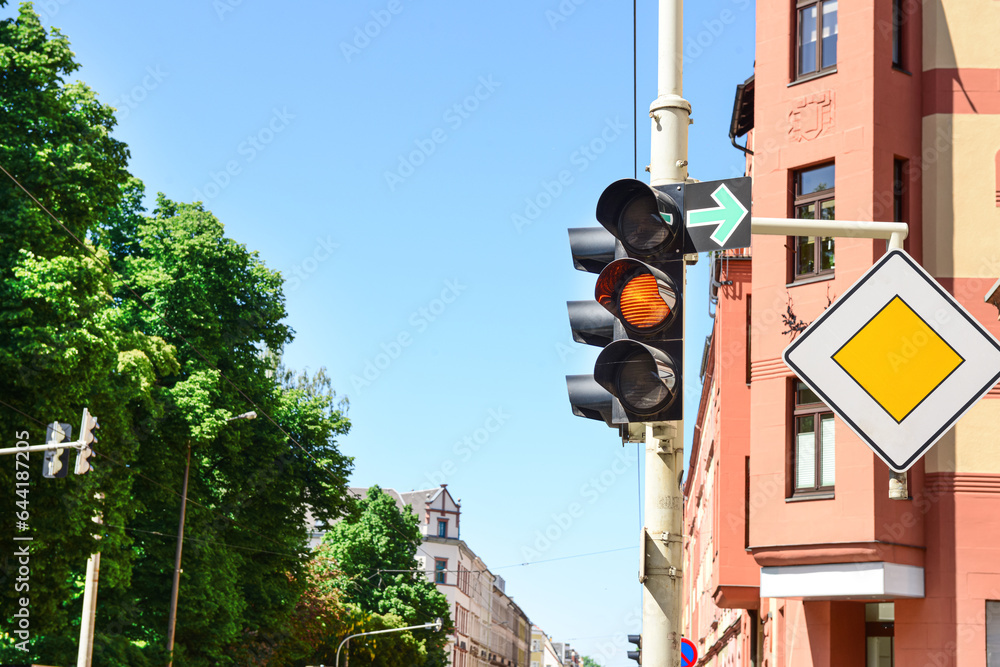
pixel 811 116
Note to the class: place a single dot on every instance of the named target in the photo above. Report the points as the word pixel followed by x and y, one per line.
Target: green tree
pixel 62 343
pixel 590 662
pixel 251 482
pixel 376 568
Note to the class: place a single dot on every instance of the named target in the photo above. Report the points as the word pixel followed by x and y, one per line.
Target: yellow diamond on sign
pixel 898 359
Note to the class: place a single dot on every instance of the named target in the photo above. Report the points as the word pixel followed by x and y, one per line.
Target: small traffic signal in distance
pixel 88 424
pixel 635 655
pixel 56 462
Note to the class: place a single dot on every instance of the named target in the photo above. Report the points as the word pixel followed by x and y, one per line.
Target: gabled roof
pixel 416 499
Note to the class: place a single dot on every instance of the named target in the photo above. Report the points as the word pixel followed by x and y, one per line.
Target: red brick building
pixel 796 555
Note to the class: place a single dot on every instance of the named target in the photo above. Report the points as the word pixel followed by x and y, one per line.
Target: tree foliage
pixel 376 568
pixel 166 329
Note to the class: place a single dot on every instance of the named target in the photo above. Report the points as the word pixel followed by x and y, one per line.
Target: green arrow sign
pixel 727 215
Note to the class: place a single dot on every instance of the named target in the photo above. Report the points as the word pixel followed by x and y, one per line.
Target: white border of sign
pixel 900 444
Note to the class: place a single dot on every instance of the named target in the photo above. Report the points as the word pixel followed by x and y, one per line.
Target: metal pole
pixel 86 650
pixel 894 232
pixel 661 535
pixel 74 444
pixel 172 620
pixel 436 625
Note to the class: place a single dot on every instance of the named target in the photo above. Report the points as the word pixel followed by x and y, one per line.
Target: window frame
pixel 817 199
pixel 992 622
pixel 900 170
pixel 880 629
pixel 898 43
pixel 441 571
pixel 800 6
pixel 444 523
pixel 816 410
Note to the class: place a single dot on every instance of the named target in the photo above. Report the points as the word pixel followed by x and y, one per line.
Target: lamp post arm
pixel 436 625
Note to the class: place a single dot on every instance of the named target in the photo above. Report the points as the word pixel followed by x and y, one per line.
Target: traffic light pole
pixel 662 541
pixel 86 649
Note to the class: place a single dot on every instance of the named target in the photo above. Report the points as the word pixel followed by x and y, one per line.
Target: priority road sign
pixel 717 215
pixel 897 358
pixel 689 653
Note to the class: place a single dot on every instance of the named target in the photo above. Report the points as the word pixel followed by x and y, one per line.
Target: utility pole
pixel 662 541
pixel 172 620
pixel 89 611
pixel 175 590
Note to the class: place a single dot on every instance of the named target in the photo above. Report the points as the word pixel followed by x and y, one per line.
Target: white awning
pixel 839 581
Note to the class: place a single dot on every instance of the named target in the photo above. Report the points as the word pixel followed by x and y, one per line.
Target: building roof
pixel 414 499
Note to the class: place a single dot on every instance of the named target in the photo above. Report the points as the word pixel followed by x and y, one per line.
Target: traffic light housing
pixel 593 249
pixel 88 424
pixel 635 655
pixel 56 462
pixel 643 290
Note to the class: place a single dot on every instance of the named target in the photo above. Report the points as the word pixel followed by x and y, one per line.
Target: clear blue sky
pixel 390 211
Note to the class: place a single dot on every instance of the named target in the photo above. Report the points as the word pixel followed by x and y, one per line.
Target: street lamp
pixel 172 619
pixel 436 625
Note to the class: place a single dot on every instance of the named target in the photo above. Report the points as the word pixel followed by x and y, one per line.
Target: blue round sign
pixel 689 653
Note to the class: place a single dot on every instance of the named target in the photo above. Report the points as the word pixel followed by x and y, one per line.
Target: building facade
pixel 543 653
pixel 490 628
pixel 796 555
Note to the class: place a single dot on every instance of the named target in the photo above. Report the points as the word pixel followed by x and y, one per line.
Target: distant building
pixel 568 655
pixel 543 653
pixel 490 628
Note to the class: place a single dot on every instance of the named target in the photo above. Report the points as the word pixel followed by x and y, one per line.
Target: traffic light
pixel 643 290
pixel 88 424
pixel 635 655
pixel 593 249
pixel 56 462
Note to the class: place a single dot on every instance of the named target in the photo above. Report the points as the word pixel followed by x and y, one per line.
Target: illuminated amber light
pixel 641 304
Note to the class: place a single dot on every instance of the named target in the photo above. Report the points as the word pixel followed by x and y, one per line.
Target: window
pixel 749 365
pixel 440 571
pixel 992 633
pixel 442 528
pixel 879 630
pixel 814 201
pixel 899 190
pixel 817 36
pixel 814 460
pixel 898 18
pixel 463 579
